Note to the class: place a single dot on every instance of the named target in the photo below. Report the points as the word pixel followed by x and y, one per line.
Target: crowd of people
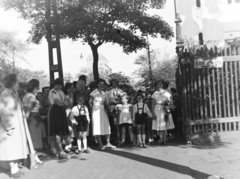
pixel 63 119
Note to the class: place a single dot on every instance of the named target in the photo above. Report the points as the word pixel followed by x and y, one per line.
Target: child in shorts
pixel 81 115
pixel 140 114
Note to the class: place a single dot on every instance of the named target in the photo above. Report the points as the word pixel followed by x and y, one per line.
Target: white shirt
pixel 55 95
pixel 75 111
pixel 161 96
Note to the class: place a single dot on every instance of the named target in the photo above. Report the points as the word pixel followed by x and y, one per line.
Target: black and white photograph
pixel 120 89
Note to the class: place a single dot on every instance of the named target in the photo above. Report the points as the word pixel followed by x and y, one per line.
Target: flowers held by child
pixel 167 108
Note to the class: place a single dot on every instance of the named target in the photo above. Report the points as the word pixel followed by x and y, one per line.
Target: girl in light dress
pixel 140 113
pixel 159 123
pixel 125 120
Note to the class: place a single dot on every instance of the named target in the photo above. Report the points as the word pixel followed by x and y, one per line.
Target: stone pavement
pixel 174 161
pixel 222 160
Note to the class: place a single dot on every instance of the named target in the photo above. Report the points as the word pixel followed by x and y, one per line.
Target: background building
pixel 103 66
pixel 205 22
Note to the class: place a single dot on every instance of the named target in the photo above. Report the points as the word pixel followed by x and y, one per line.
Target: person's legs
pixel 79 141
pixel 139 134
pixel 44 136
pixel 84 136
pixel 59 144
pixel 130 131
pixel 160 136
pixel 13 167
pixel 34 160
pixel 37 159
pixel 164 136
pixel 150 131
pixel 52 142
pixel 99 139
pixel 123 127
pixel 109 145
pixel 118 132
pixel 143 134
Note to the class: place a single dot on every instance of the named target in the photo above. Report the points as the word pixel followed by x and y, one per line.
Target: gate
pixel 210 98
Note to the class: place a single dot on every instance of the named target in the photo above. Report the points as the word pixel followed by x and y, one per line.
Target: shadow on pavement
pixel 185 170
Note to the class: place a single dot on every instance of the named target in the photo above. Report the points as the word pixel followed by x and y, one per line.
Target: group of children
pixel 133 117
pixel 128 112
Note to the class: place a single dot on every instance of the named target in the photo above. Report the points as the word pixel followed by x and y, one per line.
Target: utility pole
pixel 13 62
pixel 149 63
pixel 53 40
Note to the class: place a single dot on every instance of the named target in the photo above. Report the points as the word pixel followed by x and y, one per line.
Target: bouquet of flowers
pixel 167 108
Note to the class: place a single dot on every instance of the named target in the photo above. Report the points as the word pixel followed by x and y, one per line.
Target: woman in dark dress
pixel 58 123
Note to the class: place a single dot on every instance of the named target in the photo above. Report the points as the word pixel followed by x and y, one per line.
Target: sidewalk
pixel 174 161
pixel 222 160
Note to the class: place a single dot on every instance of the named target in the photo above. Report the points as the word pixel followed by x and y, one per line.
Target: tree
pixel 230 1
pixel 121 78
pixel 5 69
pixel 25 75
pixel 68 77
pixel 123 22
pixel 11 48
pixel 163 67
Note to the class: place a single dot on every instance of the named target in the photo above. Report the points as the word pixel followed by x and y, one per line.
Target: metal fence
pixel 210 97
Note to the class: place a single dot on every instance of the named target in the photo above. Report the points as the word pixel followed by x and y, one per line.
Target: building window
pixel 198 2
pixel 200 37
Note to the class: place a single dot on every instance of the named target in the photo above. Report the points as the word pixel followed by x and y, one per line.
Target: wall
pixel 206 20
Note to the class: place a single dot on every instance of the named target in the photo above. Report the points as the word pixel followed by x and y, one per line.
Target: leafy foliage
pixel 10 46
pixel 123 22
pixel 68 77
pixel 163 67
pixel 120 77
pixel 230 1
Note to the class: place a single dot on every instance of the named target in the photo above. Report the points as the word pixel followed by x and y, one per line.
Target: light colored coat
pixel 19 144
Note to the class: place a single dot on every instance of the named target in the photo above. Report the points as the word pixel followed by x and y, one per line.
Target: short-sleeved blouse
pixel 30 100
pixel 161 96
pixel 55 95
pixel 99 98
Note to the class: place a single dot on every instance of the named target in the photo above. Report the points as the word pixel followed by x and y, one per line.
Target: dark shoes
pixel 86 151
pixel 132 144
pixel 64 156
pixel 77 152
pixel 122 145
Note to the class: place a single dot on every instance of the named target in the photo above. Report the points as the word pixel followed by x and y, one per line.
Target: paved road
pixel 164 162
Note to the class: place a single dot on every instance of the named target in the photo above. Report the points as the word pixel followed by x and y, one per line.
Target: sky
pixel 37 56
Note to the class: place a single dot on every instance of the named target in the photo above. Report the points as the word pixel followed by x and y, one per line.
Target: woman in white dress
pixel 159 123
pixel 100 121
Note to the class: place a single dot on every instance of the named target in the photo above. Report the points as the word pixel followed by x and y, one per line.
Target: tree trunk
pixel 95 61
